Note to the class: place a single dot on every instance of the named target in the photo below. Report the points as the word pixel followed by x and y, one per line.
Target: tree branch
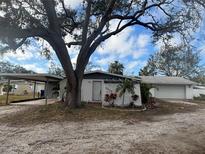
pixel 86 22
pixel 49 6
pixel 13 45
pixel 73 43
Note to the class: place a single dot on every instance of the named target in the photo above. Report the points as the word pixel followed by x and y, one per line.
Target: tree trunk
pixel 123 100
pixel 73 94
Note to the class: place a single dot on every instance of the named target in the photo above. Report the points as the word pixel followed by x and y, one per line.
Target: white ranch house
pixel 97 84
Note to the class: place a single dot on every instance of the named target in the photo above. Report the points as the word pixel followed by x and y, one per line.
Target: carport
pixel 46 78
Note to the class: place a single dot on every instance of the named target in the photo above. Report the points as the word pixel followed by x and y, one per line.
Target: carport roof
pixel 34 77
pixel 166 80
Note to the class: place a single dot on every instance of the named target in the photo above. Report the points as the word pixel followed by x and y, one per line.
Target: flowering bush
pixel 107 98
pixel 110 98
pixel 113 96
pixel 135 97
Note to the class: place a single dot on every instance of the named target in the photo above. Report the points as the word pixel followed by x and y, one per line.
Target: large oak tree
pixel 88 25
pixel 174 60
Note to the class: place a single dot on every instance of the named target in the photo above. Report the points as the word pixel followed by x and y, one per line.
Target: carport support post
pixel 46 92
pixel 34 90
pixel 7 92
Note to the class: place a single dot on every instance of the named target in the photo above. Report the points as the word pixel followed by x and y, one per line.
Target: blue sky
pixel 132 47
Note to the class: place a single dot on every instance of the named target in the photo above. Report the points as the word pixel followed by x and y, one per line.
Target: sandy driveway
pixel 177 133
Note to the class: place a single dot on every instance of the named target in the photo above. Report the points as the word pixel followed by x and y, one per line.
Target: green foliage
pixel 56 70
pixel 90 66
pixel 201 97
pixel 6 67
pixel 173 60
pixel 126 85
pixel 145 93
pixel 83 104
pixel 7 87
pixel 150 68
pixel 116 68
pixel 200 77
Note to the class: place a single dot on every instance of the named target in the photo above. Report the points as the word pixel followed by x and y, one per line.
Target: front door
pixel 97 90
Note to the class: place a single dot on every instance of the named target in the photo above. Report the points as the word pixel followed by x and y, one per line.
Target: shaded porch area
pixel 50 88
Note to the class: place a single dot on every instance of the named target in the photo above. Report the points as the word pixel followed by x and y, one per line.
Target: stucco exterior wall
pixel 1 89
pixel 62 88
pixel 52 93
pixel 19 88
pixel 22 88
pixel 197 92
pixel 111 88
pixel 87 90
pixel 107 88
pixel 189 91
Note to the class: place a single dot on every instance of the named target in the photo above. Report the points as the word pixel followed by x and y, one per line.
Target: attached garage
pixel 170 91
pixel 170 87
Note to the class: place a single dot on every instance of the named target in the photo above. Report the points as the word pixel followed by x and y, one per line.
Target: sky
pixel 132 48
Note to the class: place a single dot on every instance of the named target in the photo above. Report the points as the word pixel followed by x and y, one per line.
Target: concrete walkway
pixel 179 101
pixel 36 102
pixel 22 106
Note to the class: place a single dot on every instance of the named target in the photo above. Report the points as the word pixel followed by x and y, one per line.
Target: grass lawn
pixel 57 112
pixel 14 98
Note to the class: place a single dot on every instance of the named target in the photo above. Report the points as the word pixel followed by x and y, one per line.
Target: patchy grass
pixel 200 102
pixel 14 98
pixel 57 112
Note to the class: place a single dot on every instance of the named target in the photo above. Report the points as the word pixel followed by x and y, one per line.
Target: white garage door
pixel 170 91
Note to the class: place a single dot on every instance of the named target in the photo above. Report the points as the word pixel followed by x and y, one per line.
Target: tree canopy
pixel 174 60
pixel 7 67
pixel 116 68
pixel 150 68
pixel 87 26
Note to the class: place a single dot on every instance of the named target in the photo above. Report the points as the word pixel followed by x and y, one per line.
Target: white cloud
pixel 105 60
pixel 125 43
pixel 139 53
pixel 19 55
pixel 131 65
pixel 143 40
pixel 34 67
pixel 73 3
pixel 118 44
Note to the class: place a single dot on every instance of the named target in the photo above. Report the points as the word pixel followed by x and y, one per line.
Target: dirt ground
pixel 169 133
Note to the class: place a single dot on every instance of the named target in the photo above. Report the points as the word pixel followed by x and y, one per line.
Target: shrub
pixel 201 97
pixel 83 104
pixel 113 96
pixel 135 97
pixel 110 98
pixel 150 103
pixel 7 87
pixel 107 97
pixel 145 93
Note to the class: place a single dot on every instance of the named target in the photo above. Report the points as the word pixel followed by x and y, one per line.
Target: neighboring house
pixel 21 87
pixel 198 90
pixel 46 83
pixel 170 87
pixel 1 89
pixel 97 84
